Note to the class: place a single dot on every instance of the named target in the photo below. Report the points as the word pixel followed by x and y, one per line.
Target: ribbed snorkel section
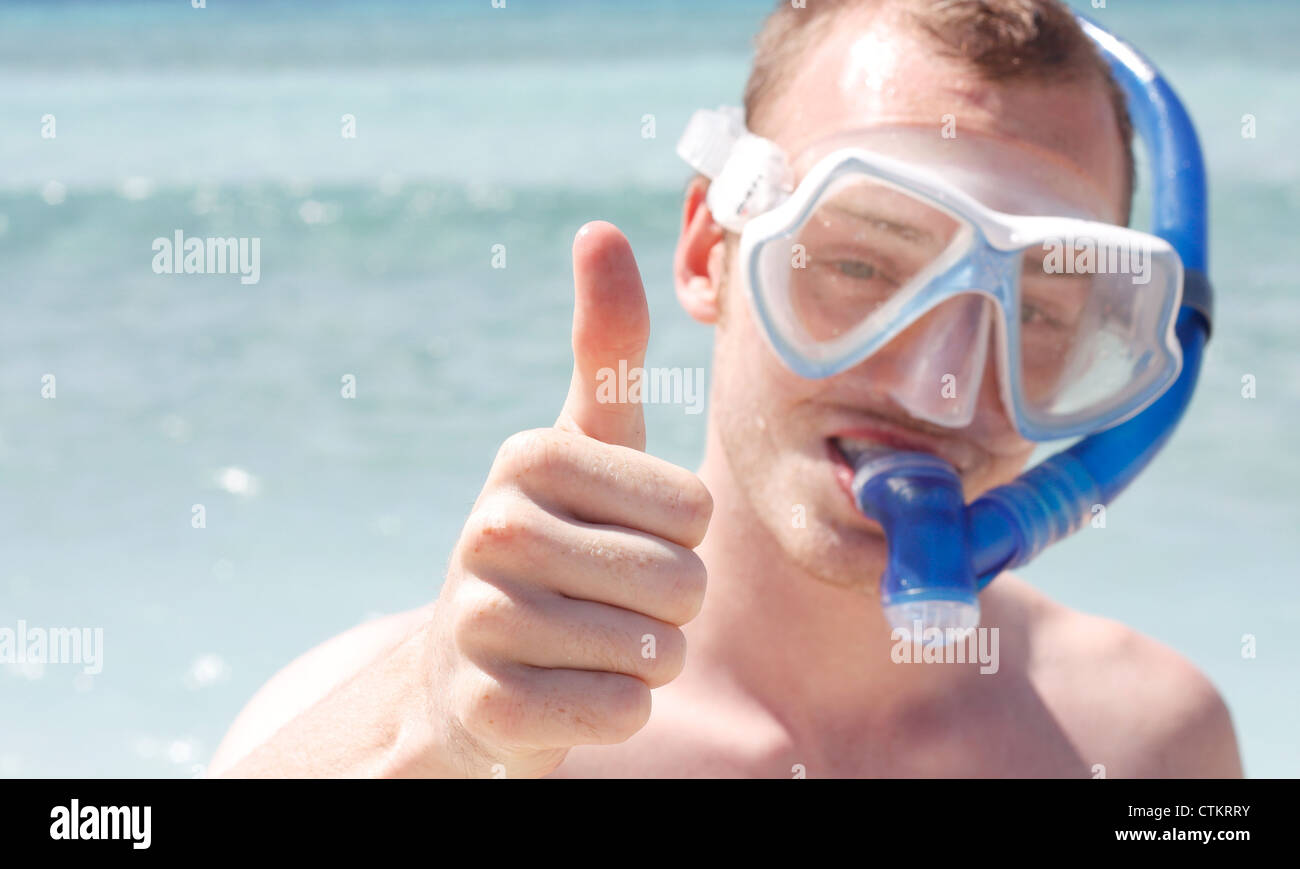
pixel 1011 524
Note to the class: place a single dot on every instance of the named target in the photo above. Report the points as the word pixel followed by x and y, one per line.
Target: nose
pixel 939 369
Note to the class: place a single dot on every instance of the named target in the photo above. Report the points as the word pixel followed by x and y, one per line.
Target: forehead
pixel 871 70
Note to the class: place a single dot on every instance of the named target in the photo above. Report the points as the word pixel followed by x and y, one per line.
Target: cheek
pixel 1009 464
pixel 1000 469
pixel 754 379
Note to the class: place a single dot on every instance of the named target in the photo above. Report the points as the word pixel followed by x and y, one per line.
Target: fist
pixel 567 589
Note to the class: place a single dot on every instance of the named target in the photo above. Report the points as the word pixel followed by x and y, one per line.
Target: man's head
pixel 1017 72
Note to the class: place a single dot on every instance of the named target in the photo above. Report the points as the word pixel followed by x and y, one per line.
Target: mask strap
pixel 709 139
pixel 750 174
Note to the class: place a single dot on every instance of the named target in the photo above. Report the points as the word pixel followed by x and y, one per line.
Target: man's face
pixel 778 430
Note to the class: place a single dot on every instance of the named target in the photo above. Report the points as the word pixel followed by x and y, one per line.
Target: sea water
pixel 482 137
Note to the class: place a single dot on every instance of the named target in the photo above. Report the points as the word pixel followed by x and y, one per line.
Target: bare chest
pixel 995 739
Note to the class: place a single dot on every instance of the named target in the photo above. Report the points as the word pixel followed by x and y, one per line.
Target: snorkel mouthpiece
pixel 929 585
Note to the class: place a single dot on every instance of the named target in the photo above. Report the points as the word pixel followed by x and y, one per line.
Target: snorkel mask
pixel 1098 329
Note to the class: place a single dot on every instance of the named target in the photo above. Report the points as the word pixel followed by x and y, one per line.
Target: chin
pixel 837 545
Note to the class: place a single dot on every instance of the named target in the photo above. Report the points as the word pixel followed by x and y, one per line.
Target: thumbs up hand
pixel 565 594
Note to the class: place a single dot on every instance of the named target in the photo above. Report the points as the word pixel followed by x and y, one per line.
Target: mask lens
pixel 863 245
pixel 1053 307
pixel 1090 326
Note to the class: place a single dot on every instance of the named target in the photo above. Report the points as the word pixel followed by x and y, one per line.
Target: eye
pixel 856 269
pixel 1032 315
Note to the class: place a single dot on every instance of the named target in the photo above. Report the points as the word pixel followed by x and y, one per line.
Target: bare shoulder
pixel 309 678
pixel 1128 702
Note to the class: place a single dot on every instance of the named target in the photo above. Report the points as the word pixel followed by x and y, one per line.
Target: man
pixel 579 578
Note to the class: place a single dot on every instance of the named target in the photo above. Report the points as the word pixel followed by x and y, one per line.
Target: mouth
pixel 846 446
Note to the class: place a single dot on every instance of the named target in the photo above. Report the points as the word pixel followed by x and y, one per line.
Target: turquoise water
pixel 475 127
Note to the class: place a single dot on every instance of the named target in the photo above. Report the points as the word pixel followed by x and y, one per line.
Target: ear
pixel 697 265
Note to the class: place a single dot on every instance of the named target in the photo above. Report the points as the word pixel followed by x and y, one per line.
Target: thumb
pixel 611 325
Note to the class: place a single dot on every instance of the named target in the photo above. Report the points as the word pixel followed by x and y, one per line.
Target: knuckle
pixel 500 526
pixel 490 522
pixel 492 711
pixel 484 613
pixel 521 444
pixel 531 452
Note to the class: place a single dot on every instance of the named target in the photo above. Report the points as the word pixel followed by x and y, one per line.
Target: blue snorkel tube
pixel 942 552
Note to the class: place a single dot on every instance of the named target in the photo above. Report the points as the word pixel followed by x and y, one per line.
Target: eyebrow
pixel 906 231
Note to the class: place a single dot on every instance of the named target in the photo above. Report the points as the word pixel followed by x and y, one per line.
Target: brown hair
pixel 1002 40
